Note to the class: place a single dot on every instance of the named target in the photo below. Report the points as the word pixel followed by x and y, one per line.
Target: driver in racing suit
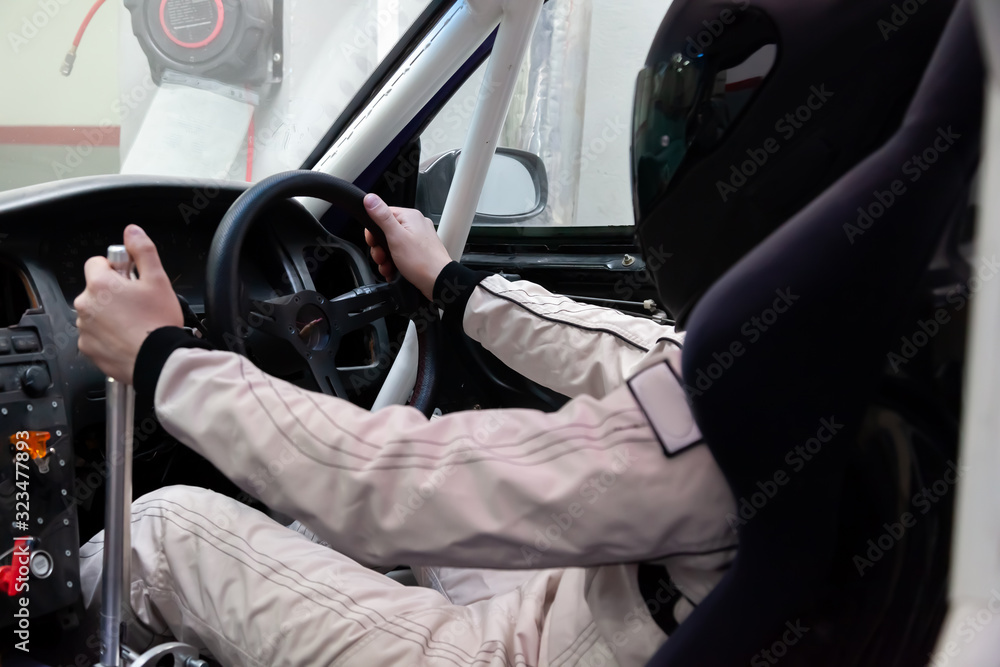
pixel 579 497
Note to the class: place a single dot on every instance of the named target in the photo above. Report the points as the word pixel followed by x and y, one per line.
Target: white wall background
pixel 613 34
pixel 619 40
pixel 614 39
pixel 35 37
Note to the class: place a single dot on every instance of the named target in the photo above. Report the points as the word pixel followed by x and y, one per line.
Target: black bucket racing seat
pixel 844 270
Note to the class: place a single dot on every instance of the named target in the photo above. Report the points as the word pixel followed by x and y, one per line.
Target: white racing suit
pixel 579 497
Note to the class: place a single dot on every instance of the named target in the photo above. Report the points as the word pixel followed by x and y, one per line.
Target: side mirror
pixel 516 188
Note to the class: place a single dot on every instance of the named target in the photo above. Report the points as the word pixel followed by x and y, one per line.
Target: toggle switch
pixel 13 577
pixel 38 447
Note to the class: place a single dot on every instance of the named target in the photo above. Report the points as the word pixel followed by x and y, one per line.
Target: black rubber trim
pixel 155 351
pixel 675 342
pixel 452 290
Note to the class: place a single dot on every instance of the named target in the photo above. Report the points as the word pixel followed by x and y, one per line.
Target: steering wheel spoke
pixel 313 326
pixel 365 305
pixel 328 377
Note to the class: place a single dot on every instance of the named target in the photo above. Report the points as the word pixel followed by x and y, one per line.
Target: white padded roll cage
pixel 438 56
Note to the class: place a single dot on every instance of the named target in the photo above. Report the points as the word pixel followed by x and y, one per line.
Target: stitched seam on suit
pixel 412 455
pixel 319 604
pixel 519 443
pixel 470 461
pixel 677 343
pixel 549 315
pixel 570 305
pixel 655 560
pixel 356 604
pixel 223 638
pixel 558 299
pixel 500 651
pixel 570 650
pixel 309 396
pixel 617 334
pixel 146 507
pixel 390 621
pixel 565 300
pixel 584 647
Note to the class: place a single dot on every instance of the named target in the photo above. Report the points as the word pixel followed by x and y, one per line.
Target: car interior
pixel 275 267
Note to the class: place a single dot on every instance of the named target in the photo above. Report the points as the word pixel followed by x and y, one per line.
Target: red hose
pixel 67 65
pixel 86 22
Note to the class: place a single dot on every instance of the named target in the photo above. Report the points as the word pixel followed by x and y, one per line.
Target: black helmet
pixel 748 109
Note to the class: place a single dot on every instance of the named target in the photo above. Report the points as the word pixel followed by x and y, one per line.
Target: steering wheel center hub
pixel 313 327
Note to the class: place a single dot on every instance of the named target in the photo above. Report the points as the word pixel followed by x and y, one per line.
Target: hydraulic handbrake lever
pixel 116 579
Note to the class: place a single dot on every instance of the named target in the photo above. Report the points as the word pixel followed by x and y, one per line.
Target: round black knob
pixel 35 380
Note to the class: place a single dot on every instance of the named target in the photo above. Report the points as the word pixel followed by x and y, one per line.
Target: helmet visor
pixel 686 104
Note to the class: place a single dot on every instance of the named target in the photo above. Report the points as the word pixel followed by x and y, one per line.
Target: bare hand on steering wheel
pixel 416 250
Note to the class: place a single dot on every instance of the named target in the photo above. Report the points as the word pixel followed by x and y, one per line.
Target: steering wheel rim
pixel 222 302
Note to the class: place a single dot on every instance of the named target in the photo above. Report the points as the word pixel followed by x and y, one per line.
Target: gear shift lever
pixel 116 582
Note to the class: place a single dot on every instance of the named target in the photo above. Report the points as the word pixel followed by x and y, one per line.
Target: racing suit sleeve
pixel 593 483
pixel 570 347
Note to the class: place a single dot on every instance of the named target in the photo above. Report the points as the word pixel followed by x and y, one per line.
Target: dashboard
pixel 52 399
pixel 182 251
pixel 52 229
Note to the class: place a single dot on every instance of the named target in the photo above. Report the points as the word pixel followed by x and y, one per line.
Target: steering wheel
pixel 231 322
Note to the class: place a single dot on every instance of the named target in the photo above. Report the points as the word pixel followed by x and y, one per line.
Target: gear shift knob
pixel 119 259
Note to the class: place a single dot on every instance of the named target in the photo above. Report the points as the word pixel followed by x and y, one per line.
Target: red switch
pixel 13 577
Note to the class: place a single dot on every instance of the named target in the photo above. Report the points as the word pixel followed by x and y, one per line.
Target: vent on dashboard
pixel 16 295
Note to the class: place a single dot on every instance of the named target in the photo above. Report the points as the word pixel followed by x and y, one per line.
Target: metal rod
pixel 116 580
pixel 514 35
